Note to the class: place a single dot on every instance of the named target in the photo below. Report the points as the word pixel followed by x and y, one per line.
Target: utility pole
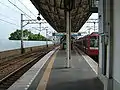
pixel 94 26
pixel 94 22
pixel 40 27
pixel 22 48
pixel 28 22
pixel 46 38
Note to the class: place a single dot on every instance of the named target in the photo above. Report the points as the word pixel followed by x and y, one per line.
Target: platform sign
pixel 83 32
pixel 58 34
pixel 62 34
pixel 76 34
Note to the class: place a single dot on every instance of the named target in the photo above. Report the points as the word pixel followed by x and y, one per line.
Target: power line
pixel 7 17
pixel 9 22
pixel 19 9
pixel 8 7
pixel 27 8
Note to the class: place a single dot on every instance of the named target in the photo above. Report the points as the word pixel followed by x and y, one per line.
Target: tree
pixel 27 34
pixel 15 35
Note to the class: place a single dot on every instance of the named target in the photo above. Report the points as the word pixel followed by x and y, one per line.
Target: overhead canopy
pixel 54 12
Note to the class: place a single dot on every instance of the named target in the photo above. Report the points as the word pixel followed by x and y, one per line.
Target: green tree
pixel 17 34
pixel 30 36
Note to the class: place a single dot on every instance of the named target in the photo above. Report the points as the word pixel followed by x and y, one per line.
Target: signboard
pixel 58 34
pixel 62 34
pixel 83 32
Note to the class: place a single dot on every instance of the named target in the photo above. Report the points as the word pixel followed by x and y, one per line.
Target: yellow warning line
pixel 43 82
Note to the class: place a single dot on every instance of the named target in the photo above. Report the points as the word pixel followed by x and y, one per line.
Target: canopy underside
pixel 54 12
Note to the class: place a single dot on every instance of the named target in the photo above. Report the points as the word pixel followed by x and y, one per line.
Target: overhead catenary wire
pixel 27 8
pixel 9 22
pixel 25 14
pixel 19 9
pixel 7 17
pixel 8 7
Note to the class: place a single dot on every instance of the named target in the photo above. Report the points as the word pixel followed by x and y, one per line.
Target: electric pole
pixel 22 48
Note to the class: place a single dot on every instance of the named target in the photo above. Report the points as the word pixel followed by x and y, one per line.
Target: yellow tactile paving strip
pixel 43 82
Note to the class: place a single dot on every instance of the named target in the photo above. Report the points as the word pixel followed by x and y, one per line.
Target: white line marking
pixel 90 61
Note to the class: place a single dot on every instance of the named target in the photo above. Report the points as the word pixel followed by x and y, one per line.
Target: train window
pixel 94 41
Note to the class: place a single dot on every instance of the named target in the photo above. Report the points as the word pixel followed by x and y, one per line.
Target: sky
pixel 10 18
pixel 88 27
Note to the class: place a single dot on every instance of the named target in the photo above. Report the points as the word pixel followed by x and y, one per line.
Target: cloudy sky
pixel 10 17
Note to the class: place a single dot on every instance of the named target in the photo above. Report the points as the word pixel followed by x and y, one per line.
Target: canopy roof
pixel 54 11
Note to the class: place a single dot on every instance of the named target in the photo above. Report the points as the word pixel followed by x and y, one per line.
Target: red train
pixel 89 44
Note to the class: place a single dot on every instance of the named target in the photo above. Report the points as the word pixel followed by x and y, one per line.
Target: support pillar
pixel 68 35
pixel 105 43
pixel 116 44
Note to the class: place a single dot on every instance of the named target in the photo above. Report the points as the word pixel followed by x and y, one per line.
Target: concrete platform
pixel 79 77
pixel 82 75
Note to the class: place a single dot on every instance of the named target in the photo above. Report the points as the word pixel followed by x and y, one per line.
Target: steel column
pixel 40 27
pixel 22 49
pixel 106 43
pixel 68 34
pixel 46 37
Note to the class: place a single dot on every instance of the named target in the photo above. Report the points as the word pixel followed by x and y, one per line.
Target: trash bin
pixel 64 46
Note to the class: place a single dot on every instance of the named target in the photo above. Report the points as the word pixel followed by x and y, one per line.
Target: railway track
pixel 27 61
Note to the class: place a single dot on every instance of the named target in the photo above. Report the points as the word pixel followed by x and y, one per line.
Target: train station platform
pixel 55 75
